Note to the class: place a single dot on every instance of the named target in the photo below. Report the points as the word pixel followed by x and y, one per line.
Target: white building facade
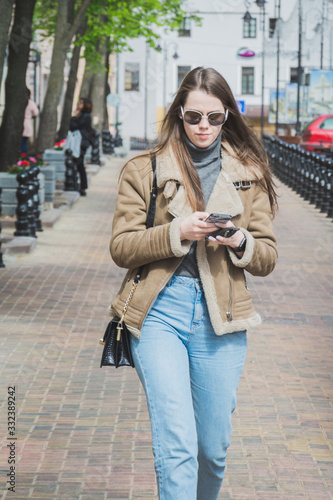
pixel 148 79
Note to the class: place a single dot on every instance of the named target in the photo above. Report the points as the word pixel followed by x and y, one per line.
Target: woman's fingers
pixel 233 242
pixel 195 228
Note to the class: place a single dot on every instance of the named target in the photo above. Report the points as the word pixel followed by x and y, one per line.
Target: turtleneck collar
pixel 203 156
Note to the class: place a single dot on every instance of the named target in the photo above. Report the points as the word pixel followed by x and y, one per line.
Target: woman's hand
pixel 194 228
pixel 233 242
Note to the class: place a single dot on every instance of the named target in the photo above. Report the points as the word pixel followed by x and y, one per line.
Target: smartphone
pixel 226 232
pixel 218 218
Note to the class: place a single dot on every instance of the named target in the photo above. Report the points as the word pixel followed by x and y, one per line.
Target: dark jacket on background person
pixel 82 122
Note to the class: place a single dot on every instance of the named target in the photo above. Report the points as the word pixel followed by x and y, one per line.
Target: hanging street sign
pixel 245 52
pixel 241 106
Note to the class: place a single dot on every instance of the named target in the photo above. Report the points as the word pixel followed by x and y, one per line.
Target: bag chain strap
pixel 149 223
pixel 136 281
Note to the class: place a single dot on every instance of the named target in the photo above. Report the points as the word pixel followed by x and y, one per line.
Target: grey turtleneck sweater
pixel 207 161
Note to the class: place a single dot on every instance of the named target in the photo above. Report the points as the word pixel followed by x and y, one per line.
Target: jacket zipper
pixel 228 313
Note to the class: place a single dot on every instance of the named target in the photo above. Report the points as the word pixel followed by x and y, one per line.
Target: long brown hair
pixel 236 132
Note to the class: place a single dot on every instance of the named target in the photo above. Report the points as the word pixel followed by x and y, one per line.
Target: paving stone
pixel 65 199
pixel 50 217
pixel 19 244
pixel 84 432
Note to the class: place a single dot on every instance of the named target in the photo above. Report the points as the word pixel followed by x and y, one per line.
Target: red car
pixel 318 134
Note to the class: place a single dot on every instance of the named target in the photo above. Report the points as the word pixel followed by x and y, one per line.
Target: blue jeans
pixel 190 376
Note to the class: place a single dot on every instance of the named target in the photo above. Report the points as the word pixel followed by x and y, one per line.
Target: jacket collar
pixel 168 169
pixel 224 198
pixel 235 170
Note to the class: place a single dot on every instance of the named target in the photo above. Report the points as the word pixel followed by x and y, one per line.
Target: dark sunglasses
pixel 215 118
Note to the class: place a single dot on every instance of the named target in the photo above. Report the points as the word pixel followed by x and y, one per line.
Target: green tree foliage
pixel 114 22
pixel 121 21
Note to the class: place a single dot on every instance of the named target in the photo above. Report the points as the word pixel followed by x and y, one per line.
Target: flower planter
pixel 57 160
pixel 9 186
pixel 49 173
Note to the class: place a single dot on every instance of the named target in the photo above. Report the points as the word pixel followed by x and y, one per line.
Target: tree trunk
pixel 107 91
pixel 66 28
pixel 71 84
pixel 98 91
pixel 16 95
pixel 6 17
pixel 87 82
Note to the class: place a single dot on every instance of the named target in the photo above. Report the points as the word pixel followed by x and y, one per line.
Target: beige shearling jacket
pixel 160 249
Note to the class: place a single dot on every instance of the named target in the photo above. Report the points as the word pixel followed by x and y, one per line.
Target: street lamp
pixel 165 65
pixel 146 95
pixel 247 18
pixel 299 68
pixel 34 58
pixel 261 5
pixel 277 68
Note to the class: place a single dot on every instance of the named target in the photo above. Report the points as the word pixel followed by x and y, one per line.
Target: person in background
pixel 82 121
pixel 192 308
pixel 31 111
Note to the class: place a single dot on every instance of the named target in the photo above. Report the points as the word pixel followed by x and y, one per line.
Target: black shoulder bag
pixel 116 341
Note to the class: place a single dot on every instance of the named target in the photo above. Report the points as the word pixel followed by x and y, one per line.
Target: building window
pixel 305 77
pixel 272 26
pixel 182 72
pixel 293 75
pixel 248 80
pixel 185 30
pixel 250 28
pixel 132 76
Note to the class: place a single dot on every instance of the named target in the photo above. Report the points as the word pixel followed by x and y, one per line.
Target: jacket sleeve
pixel 132 244
pixel 34 109
pixel 80 122
pixel 260 254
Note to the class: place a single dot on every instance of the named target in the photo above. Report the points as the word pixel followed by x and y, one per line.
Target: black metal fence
pixel 308 174
pixel 136 143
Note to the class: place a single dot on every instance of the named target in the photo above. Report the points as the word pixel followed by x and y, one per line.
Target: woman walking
pixel 191 309
pixel 82 121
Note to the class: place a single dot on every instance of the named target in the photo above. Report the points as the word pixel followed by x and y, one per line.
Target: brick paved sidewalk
pixel 83 432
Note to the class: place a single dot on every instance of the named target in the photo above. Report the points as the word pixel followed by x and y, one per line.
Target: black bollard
pixel 301 180
pixel 71 183
pixel 35 181
pixel 118 142
pixel 95 148
pixel 31 205
pixel 107 142
pixel 285 164
pixel 290 174
pixel 307 170
pixel 296 168
pixel 330 194
pixel 22 195
pixel 310 178
pixel 322 182
pixel 1 261
pixel 315 180
pixel 327 188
